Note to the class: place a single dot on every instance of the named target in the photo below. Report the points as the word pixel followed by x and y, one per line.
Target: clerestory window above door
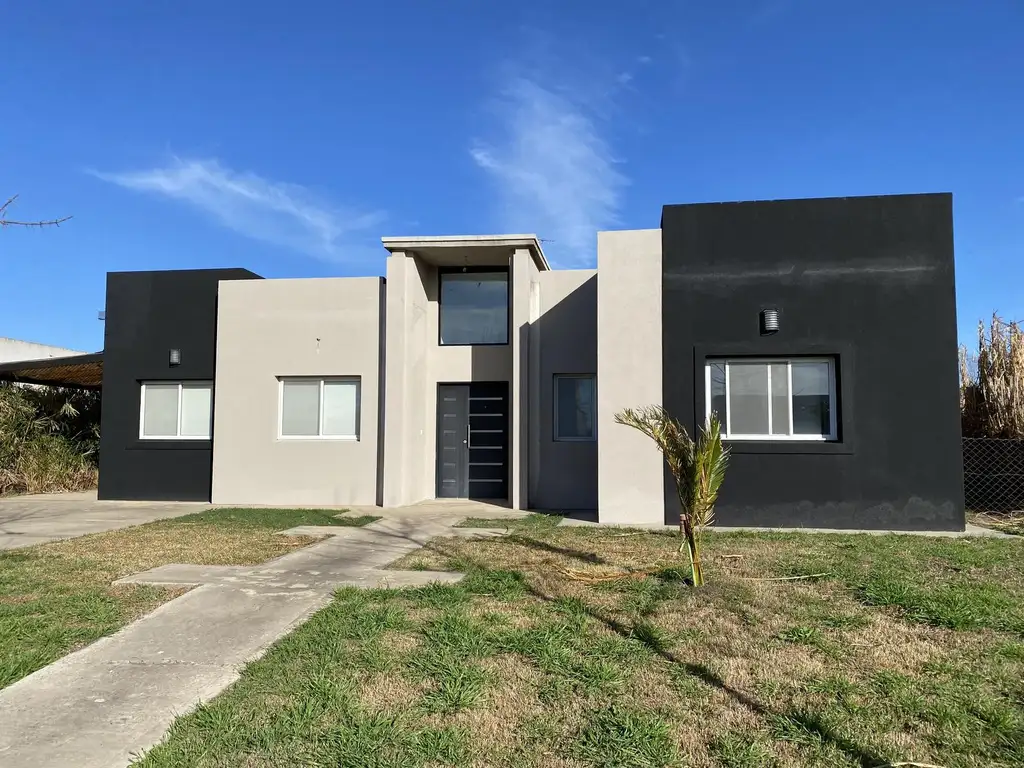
pixel 473 306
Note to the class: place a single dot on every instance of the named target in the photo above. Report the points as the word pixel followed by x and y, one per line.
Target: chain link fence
pixel 993 474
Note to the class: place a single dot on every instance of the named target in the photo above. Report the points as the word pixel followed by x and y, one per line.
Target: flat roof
pixel 82 371
pixel 439 248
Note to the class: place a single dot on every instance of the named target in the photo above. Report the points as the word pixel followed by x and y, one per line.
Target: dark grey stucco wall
pixel 868 280
pixel 147 315
pixel 565 473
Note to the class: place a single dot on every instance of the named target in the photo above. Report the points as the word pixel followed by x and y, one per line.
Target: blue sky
pixel 289 137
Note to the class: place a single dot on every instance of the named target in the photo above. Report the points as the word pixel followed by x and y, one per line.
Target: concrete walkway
pixel 28 520
pixel 98 707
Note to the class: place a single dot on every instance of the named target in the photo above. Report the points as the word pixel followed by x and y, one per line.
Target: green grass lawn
pixel 57 597
pixel 586 647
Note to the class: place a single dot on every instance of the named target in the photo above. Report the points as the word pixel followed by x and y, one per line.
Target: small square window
pixel 773 399
pixel 575 406
pixel 320 408
pixel 176 410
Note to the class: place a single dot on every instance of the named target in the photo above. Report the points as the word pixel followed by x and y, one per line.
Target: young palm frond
pixel 698 470
pixel 668 434
pixel 711 459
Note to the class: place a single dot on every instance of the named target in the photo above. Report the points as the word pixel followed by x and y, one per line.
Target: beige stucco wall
pixel 268 329
pixel 563 475
pixel 629 374
pixel 406 392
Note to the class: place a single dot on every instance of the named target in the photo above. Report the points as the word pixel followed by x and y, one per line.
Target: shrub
pixel 49 439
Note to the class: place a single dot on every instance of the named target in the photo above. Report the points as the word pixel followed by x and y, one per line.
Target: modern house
pixel 822 331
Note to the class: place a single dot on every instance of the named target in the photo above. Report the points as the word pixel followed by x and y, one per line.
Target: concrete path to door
pixel 28 520
pixel 102 705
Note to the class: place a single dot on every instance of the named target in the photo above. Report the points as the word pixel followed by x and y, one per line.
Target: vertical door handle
pixel 466 441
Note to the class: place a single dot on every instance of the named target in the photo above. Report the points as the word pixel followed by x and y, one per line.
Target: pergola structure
pixel 81 371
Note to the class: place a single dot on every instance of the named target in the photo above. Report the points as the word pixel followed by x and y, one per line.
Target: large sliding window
pixel 773 398
pixel 474 307
pixel 319 409
pixel 176 410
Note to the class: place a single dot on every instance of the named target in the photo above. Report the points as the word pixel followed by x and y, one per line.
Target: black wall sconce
pixel 175 357
pixel 769 321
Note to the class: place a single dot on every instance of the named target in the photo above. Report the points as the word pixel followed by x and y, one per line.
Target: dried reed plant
pixel 992 382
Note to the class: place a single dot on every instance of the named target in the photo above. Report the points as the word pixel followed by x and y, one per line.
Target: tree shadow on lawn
pixel 591 558
pixel 808 722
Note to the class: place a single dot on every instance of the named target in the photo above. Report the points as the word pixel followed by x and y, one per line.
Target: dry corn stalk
pixel 992 382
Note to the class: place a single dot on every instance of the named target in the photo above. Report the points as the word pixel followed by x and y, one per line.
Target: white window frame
pixel 833 434
pixel 357 380
pixel 181 386
pixel 593 416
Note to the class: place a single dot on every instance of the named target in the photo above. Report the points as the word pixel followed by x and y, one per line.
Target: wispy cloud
pixel 553 167
pixel 769 11
pixel 288 215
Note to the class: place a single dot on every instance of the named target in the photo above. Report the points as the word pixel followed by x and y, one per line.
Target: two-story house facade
pixel 823 333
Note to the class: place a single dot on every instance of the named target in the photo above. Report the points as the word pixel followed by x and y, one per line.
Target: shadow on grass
pixel 798 720
pixel 543 546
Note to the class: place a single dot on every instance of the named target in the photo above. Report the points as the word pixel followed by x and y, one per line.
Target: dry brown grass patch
pixel 400 643
pixel 390 691
pixel 131 550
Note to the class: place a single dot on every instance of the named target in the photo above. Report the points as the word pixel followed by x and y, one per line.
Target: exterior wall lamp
pixel 769 321
pixel 175 357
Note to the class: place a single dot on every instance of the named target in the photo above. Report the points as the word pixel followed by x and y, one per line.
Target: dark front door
pixel 472 441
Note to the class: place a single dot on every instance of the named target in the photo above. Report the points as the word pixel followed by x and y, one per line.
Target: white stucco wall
pixel 13 350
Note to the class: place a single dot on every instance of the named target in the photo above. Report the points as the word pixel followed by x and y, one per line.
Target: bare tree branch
pixel 5 222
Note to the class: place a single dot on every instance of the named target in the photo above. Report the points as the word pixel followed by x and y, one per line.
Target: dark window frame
pixel 442 271
pixel 555 436
pixel 834 420
pixel 845 357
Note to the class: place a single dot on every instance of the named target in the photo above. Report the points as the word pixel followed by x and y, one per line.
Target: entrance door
pixel 472 440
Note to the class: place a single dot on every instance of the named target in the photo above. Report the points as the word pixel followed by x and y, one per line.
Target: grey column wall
pixel 406 388
pixel 524 280
pixel 629 374
pixel 563 339
pixel 267 329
